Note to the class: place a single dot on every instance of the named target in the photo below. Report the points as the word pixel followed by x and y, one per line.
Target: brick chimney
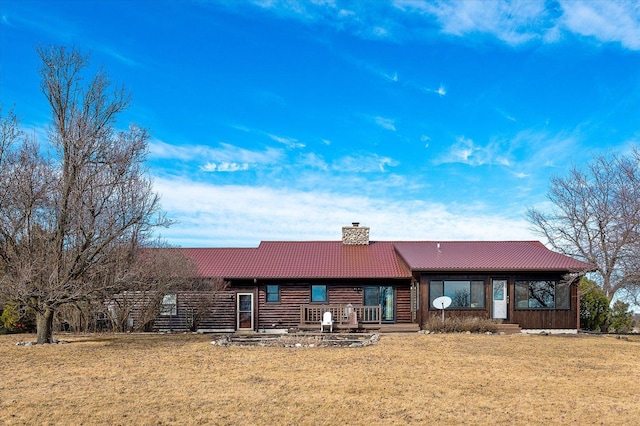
pixel 355 234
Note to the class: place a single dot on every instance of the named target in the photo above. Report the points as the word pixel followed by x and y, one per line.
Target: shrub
pixel 621 317
pixel 594 306
pixel 460 325
pixel 15 320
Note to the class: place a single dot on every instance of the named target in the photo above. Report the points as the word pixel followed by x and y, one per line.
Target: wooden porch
pixel 369 318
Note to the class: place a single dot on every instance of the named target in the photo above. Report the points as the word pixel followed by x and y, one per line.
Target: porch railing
pixel 312 314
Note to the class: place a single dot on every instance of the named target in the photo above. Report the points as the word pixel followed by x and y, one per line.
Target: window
pixel 318 293
pixel 464 294
pixel 169 305
pixel 542 294
pixel 273 293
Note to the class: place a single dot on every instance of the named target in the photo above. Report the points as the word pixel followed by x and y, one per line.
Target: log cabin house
pixel 383 285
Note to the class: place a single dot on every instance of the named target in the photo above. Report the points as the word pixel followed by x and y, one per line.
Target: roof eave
pixel 484 270
pixel 310 277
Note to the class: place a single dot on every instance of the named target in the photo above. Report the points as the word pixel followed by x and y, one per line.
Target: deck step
pixel 399 328
pixel 383 328
pixel 509 328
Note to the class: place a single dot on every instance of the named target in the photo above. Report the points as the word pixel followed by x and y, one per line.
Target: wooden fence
pixel 340 314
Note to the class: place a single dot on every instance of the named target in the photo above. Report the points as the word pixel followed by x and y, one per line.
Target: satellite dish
pixel 442 302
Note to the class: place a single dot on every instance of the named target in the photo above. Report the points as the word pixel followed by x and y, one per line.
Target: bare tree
pixel 596 218
pixel 201 298
pixel 70 221
pixel 155 271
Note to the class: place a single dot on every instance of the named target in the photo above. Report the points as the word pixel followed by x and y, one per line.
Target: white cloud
pixel 365 19
pixel 386 123
pixel 290 143
pixel 219 216
pixel 505 114
pixel 510 21
pixel 118 55
pixel 364 163
pixel 607 21
pixel 5 21
pixel 380 31
pixel 314 161
pixel 225 167
pixel 441 90
pixel 521 175
pixel 462 150
pixel 544 149
pixel 224 153
pixel 392 77
pixel 466 151
pixel 518 22
pixel 425 139
pixel 343 13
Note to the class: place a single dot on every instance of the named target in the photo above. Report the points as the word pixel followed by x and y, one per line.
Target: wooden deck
pixel 368 319
pixel 382 328
pixel 341 314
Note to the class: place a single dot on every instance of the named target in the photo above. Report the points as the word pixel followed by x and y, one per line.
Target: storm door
pixel 383 296
pixel 245 311
pixel 500 299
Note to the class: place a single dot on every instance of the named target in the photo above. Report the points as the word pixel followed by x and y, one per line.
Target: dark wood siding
pixel 546 318
pixel 286 313
pixel 194 310
pixel 526 318
pixel 403 304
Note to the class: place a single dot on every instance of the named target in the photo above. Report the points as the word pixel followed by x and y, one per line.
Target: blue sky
pixel 285 120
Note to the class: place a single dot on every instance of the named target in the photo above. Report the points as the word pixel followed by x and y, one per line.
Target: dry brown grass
pixel 404 379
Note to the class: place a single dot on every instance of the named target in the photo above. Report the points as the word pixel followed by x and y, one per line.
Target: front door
pixel 500 299
pixel 383 296
pixel 245 311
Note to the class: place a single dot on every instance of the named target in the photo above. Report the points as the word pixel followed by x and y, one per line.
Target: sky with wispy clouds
pixel 286 120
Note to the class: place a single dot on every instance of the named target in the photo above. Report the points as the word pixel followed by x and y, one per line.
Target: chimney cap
pixel 355 224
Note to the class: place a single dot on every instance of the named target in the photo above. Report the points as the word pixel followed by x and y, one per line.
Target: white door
pixel 500 299
pixel 245 311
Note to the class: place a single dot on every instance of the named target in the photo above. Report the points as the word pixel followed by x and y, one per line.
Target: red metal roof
pixel 223 262
pixel 330 259
pixel 485 256
pixel 301 259
pixel 392 260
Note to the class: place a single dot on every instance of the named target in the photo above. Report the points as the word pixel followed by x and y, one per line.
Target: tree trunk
pixel 44 324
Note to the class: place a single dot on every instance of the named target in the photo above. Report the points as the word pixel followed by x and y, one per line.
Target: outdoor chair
pixel 326 320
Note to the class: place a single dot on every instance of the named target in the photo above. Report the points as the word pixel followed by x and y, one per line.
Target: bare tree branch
pixel 71 225
pixel 596 218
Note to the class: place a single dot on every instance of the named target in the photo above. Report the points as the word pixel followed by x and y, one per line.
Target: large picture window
pixel 542 294
pixel 464 294
pixel 319 294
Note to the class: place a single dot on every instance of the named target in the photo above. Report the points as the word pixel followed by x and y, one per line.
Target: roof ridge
pixel 467 241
